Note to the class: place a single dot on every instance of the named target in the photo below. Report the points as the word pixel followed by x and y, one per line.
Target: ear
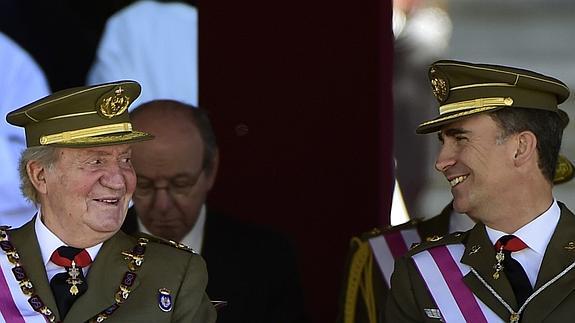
pixel 526 149
pixel 211 178
pixel 37 175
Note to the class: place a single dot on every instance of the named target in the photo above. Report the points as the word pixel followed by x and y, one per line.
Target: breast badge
pixel 165 299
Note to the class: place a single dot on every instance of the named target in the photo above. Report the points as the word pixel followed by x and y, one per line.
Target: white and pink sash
pixel 443 274
pixel 391 245
pixel 14 306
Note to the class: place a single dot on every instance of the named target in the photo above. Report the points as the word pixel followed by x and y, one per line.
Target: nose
pixel 445 159
pixel 162 199
pixel 114 178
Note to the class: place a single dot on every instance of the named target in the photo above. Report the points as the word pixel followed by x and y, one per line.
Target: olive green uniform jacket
pixel 556 303
pixel 182 272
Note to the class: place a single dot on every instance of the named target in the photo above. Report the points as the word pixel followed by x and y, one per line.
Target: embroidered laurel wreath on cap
pixel 463 89
pixel 81 117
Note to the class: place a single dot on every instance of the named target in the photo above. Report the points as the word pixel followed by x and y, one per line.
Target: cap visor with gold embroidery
pixel 464 89
pixel 81 117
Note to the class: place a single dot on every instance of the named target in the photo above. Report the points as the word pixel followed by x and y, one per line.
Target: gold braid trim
pixel 360 279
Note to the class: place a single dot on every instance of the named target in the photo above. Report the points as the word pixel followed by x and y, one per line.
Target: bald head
pixel 169 119
pixel 176 170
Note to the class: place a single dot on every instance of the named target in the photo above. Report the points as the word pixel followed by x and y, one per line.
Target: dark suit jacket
pixel 252 268
pixel 182 272
pixel 409 296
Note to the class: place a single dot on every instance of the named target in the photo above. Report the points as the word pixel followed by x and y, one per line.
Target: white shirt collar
pixel 49 242
pixel 537 233
pixel 193 239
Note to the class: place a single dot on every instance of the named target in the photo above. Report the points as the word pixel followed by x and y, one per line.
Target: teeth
pixel 457 180
pixel 109 201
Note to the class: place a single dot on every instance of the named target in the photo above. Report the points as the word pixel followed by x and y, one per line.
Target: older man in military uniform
pixel 500 129
pixel 71 262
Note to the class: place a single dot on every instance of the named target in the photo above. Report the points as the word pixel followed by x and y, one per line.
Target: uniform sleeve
pixel 402 304
pixel 193 304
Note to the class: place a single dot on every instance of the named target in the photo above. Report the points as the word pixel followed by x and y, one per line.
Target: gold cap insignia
pixel 439 85
pixel 113 104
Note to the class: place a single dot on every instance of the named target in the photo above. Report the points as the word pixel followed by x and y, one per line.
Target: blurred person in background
pixel 253 269
pixel 21 81
pixel 155 43
pixel 422 30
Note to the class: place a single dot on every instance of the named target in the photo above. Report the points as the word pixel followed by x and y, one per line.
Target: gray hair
pixel 45 155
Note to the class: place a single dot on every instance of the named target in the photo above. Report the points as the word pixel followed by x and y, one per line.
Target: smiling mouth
pixel 108 201
pixel 454 182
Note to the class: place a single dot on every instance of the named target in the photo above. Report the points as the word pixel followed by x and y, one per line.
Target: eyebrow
pixel 451 132
pixel 106 153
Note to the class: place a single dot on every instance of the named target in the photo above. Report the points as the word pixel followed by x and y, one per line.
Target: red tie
pixel 510 243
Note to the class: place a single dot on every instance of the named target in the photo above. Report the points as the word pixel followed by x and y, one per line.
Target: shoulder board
pixel 453 238
pixel 163 241
pixel 390 228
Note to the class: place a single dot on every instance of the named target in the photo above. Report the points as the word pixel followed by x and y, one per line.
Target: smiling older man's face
pixel 87 191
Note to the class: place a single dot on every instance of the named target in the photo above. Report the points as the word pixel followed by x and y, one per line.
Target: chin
pixel 460 206
pixel 109 223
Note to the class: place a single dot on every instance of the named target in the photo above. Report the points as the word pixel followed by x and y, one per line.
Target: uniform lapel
pixel 559 255
pixel 104 278
pixel 26 243
pixel 480 255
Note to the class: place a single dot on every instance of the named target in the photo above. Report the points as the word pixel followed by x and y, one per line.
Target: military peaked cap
pixel 81 117
pixel 463 89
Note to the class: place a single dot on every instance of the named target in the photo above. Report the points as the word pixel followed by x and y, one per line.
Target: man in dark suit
pixel 71 261
pixel 500 129
pixel 252 269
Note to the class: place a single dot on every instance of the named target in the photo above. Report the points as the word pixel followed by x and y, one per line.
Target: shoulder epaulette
pixel 167 242
pixel 435 241
pixel 390 228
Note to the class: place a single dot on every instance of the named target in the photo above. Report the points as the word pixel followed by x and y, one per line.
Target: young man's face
pixel 477 163
pixel 87 191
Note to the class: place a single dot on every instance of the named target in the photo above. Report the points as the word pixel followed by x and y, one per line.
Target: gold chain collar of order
pixel 135 260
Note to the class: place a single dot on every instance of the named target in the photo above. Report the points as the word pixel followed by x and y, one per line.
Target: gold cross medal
pixel 498 266
pixel 74 273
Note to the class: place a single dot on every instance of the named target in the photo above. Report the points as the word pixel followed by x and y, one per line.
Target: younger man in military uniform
pixel 500 130
pixel 71 262
pixel 372 254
